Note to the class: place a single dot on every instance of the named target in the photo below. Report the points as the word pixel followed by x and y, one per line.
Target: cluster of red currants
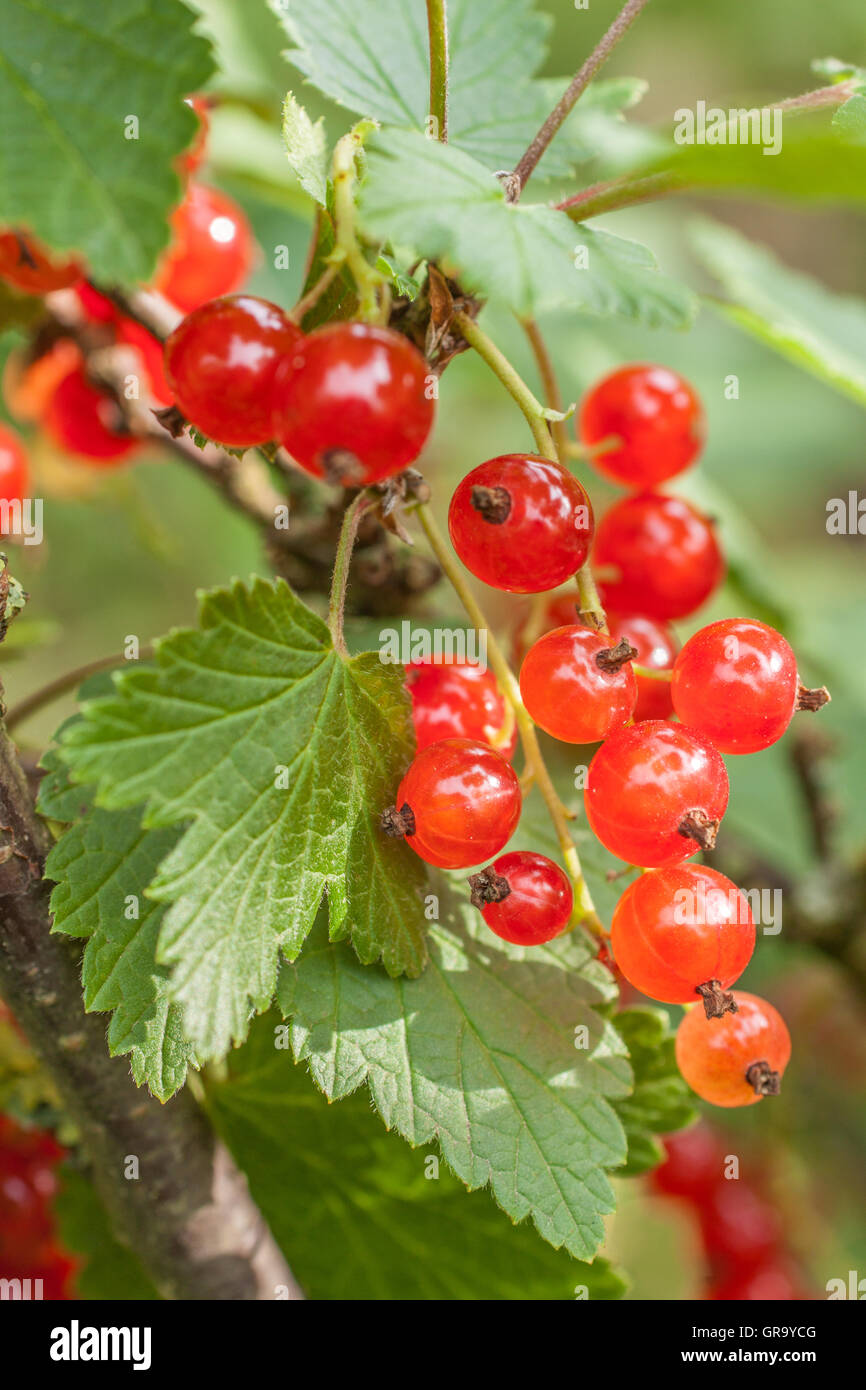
pixel 28 1239
pixel 656 790
pixel 741 1233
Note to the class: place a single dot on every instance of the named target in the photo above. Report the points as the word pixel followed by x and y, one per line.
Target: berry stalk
pixel 343 559
pixel 584 908
pixel 437 28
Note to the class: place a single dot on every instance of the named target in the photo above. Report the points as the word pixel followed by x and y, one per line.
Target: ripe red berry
pixel 656 646
pixel 736 682
pixel 521 523
pixel 221 362
pixel 211 251
pixel 524 898
pixel 14 470
pixel 577 685
pixel 739 1227
pixel 457 700
pixel 694 1164
pixel 457 805
pixel 683 932
pixel 657 417
pixel 83 419
pixel 29 267
pixel 663 556
pixel 655 793
pixel 192 157
pixel 776 1281
pixel 150 353
pixel 353 403
pixel 735 1060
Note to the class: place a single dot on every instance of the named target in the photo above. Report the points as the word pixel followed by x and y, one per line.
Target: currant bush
pixel 656 555
pixel 737 1059
pixel 656 417
pixel 576 685
pixel 525 898
pixel 656 793
pixel 353 403
pixel 521 523
pixel 459 700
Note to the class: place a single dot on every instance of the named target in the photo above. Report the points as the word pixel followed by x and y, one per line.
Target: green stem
pixel 437 27
pixel 653 673
pixel 552 393
pixel 584 908
pixel 342 561
pixel 347 247
pixel 511 380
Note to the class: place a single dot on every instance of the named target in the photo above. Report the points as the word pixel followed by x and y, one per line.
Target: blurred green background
pixel 127 556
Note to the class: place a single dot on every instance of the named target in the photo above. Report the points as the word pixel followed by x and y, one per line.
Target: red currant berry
pixel 150 352
pixel 735 1060
pixel 736 682
pixel 98 308
pixel 664 555
pixel 577 685
pixel 682 932
pixel 655 793
pixel 773 1282
pixel 693 1167
pixel 353 403
pixel 738 1226
pixel 221 363
pixel 82 419
pixel 14 471
pixel 521 523
pixel 29 267
pixel 456 700
pixel 211 252
pixel 524 898
pixel 192 157
pixel 656 646
pixel 657 417
pixel 458 804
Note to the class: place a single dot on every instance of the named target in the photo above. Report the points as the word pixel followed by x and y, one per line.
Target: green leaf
pixel 72 77
pixel 481 1053
pixel 441 204
pixel 109 1270
pixel 102 866
pixel 305 146
pixel 661 1100
pixel 850 119
pixel 329 1177
pixel 819 330
pixel 278 756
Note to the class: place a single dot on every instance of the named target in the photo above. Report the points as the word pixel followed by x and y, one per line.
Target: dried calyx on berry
pixel 400 823
pixel 613 658
pixel 763 1080
pixel 717 1001
pixel 697 825
pixel 488 887
pixel 812 700
pixel 492 503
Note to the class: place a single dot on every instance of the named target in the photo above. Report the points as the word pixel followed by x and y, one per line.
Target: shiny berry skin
pixel 458 700
pixel 211 251
pixel 29 267
pixel 463 803
pixel 665 552
pixel 569 690
pixel 521 523
pixel 647 780
pixel 352 403
pixel 81 419
pixel 221 362
pixel 714 1055
pixel 694 1165
pixel 676 929
pixel 524 898
pixel 14 470
pixel 736 682
pixel 656 645
pixel 655 413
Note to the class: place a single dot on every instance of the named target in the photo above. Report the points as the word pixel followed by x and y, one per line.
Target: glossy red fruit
pixel 150 352
pixel 576 685
pixel 457 805
pixel 525 898
pixel 657 416
pixel 681 933
pixel 14 470
pixel 521 523
pixel 735 1060
pixel 192 157
pixel 662 555
pixel 221 363
pixel 29 267
pixel 353 403
pixel 458 700
pixel 693 1167
pixel 776 1281
pixel 656 645
pixel 736 682
pixel 738 1225
pixel 81 418
pixel 211 252
pixel 655 793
